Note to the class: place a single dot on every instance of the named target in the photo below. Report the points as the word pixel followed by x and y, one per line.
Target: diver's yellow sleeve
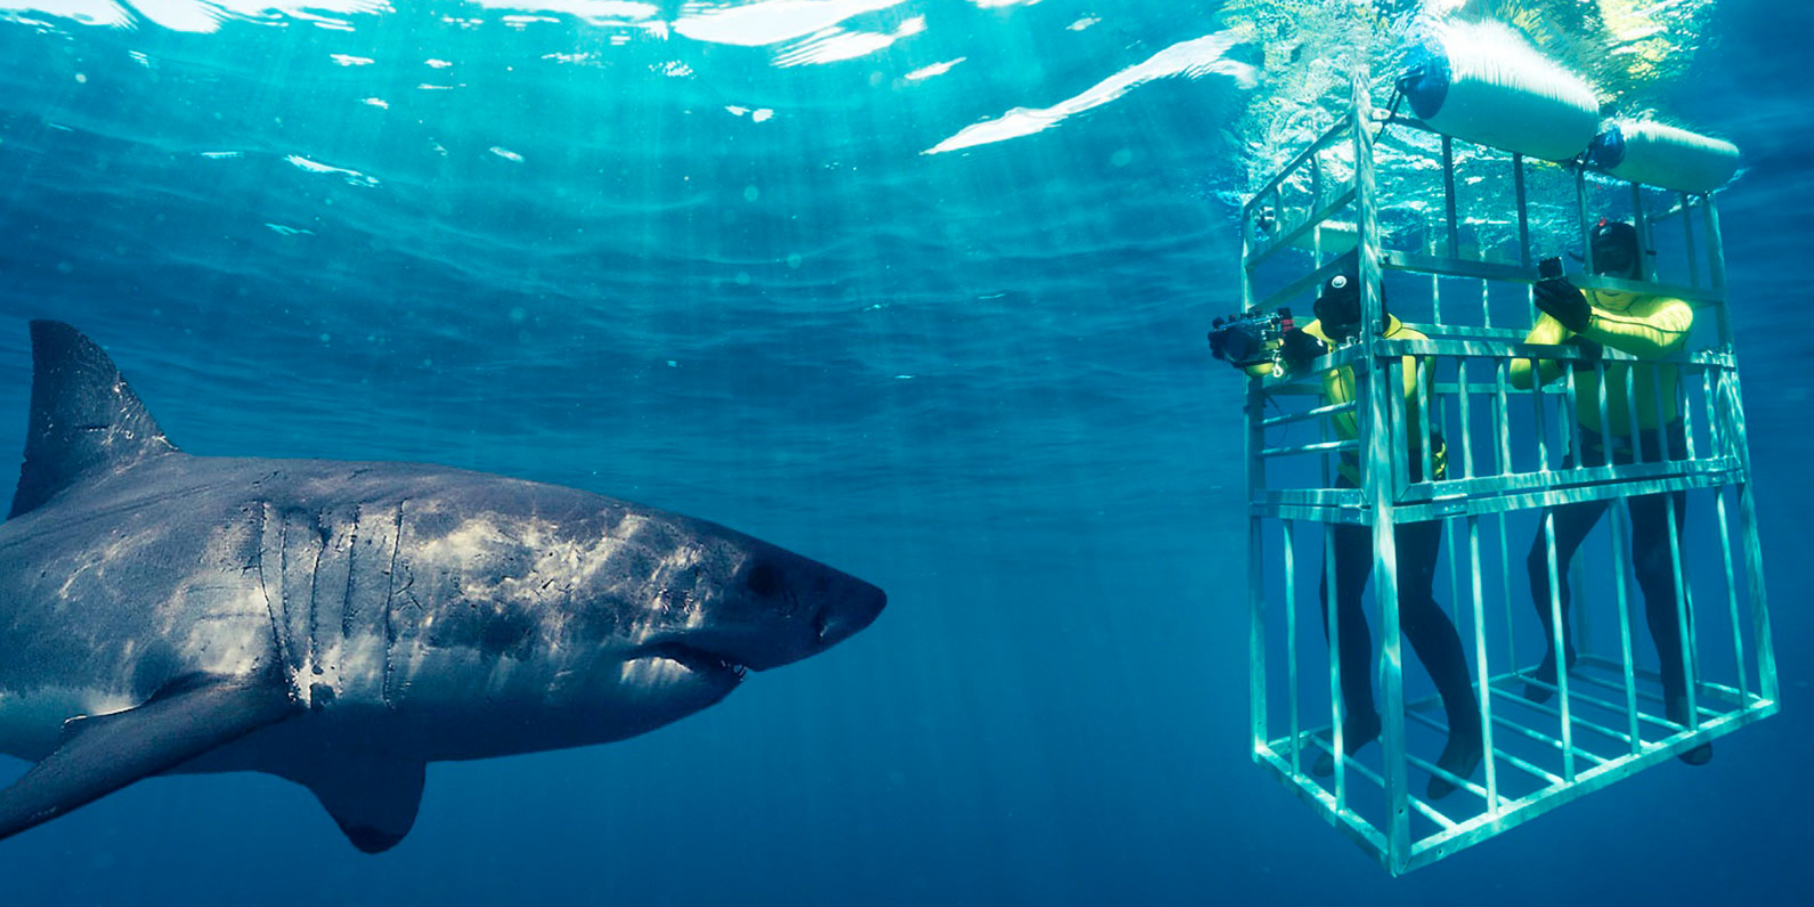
pixel 1259 370
pixel 1547 331
pixel 1340 386
pixel 1649 327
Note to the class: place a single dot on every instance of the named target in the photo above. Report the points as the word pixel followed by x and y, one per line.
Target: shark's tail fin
pixel 85 419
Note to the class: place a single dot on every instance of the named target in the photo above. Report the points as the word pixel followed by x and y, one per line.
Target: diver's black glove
pixel 1564 302
pixel 1298 347
pixel 1591 350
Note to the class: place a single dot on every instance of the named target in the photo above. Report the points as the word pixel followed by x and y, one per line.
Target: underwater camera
pixel 1250 338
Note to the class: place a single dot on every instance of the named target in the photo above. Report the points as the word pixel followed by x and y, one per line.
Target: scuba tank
pixel 1666 157
pixel 1485 85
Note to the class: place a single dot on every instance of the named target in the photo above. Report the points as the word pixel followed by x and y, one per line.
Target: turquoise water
pixel 914 288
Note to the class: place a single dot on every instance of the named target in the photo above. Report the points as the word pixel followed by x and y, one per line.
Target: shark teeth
pixel 697 660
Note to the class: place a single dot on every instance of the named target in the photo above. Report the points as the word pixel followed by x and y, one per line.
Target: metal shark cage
pixel 1512 453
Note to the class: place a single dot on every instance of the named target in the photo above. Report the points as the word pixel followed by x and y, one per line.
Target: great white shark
pixel 343 624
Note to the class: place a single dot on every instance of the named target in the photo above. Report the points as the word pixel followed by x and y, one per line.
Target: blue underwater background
pixel 697 256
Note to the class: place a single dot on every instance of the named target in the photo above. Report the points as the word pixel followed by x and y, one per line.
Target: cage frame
pixel 1385 499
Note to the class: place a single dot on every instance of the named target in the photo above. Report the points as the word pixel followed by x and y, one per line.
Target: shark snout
pixel 790 609
pixel 841 619
pixel 816 623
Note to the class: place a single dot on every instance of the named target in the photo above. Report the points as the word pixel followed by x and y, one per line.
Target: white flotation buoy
pixel 1663 156
pixel 1483 84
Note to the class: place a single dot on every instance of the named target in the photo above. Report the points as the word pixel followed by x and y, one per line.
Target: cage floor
pixel 1536 763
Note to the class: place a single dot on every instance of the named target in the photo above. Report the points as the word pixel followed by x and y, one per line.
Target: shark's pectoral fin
pixel 102 754
pixel 373 798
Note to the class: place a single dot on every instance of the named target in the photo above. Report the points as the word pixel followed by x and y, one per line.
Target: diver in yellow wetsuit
pixel 1431 633
pixel 1645 326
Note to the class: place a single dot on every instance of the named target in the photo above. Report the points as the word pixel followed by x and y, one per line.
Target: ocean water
pixel 914 288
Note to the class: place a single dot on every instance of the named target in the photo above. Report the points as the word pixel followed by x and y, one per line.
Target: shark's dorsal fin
pixel 84 417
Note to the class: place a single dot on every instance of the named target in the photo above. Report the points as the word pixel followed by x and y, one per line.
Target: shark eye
pixel 764 580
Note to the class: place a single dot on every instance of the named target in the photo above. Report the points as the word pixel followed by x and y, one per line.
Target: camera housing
pixel 1249 338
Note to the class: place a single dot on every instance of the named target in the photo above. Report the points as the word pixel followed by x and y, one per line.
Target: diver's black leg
pixel 1655 566
pixel 1573 523
pixel 1432 634
pixel 1353 564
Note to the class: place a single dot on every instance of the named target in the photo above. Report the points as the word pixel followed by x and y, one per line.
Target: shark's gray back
pixel 191 564
pixel 120 586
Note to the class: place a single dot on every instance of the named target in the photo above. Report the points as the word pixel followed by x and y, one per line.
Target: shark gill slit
pixel 390 633
pixel 314 590
pixel 283 591
pixel 264 587
pixel 352 566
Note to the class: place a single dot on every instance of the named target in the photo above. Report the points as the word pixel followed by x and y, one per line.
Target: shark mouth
pixel 698 661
